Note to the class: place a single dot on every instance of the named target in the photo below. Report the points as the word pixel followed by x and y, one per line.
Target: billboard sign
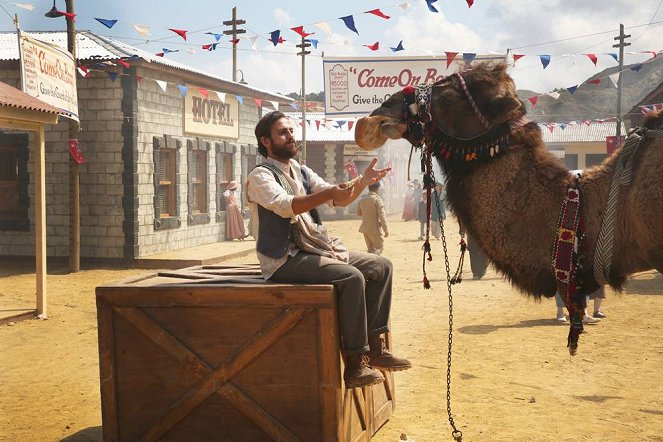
pixel 354 86
pixel 208 115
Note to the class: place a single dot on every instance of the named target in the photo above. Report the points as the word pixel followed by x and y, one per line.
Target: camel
pixel 509 199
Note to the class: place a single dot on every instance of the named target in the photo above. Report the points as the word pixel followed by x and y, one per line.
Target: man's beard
pixel 284 151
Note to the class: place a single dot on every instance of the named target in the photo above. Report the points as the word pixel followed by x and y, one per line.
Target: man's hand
pixel 372 175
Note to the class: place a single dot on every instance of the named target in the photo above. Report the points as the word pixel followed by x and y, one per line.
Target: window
pixel 571 161
pixel 14 199
pixel 197 201
pixel 166 195
pixel 224 172
pixel 592 159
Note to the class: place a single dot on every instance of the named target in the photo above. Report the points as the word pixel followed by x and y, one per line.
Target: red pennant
pixel 550 127
pixel 123 63
pixel 207 46
pixel 258 101
pixel 160 54
pixel 374 47
pixel 180 32
pixel 75 151
pixel 317 124
pixel 595 81
pixel 69 16
pixel 592 57
pixel 469 3
pixel 139 78
pixel 533 100
pixel 203 92
pixel 234 41
pixel 517 57
pixel 300 31
pixel 450 57
pixel 378 13
pixel 350 124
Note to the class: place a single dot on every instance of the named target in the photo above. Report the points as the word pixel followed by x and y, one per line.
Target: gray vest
pixel 275 232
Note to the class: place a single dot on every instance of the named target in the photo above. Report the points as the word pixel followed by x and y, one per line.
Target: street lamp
pixel 241 80
pixel 53 13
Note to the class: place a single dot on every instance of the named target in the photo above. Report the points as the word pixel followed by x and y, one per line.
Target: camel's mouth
pixel 373 132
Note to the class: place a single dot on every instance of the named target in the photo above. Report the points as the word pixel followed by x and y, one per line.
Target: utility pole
pixel 303 53
pixel 234 32
pixel 74 173
pixel 621 45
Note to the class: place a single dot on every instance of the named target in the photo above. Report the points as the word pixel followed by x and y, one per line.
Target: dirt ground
pixel 512 378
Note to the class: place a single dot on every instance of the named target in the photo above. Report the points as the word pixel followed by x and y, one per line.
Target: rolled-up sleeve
pixel 263 189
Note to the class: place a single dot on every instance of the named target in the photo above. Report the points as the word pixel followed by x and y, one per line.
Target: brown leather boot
pixel 381 358
pixel 358 373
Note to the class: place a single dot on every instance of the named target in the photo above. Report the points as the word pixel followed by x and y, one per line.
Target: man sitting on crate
pixel 293 247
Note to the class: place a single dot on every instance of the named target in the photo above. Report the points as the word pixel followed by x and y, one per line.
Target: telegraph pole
pixel 303 53
pixel 234 32
pixel 621 45
pixel 74 172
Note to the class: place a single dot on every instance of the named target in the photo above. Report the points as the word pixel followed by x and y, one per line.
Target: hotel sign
pixel 208 115
pixel 48 73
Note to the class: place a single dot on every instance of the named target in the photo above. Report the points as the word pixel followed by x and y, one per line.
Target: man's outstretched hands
pixel 344 193
pixel 373 175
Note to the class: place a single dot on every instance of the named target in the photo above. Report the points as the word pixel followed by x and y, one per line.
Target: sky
pixel 563 29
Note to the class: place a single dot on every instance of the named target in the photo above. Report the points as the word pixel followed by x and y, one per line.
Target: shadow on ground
pixel 484 329
pixel 91 434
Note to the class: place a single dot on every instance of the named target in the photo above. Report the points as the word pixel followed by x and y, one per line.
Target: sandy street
pixel 512 379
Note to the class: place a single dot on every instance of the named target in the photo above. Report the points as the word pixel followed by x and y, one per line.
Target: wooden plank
pixel 329 366
pixel 256 413
pixel 164 340
pixel 107 375
pixel 40 223
pixel 183 275
pixel 253 347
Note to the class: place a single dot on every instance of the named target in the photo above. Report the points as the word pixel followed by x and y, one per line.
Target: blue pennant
pixel 545 60
pixel 275 37
pixel 106 22
pixel 350 23
pixel 183 89
pixel 216 36
pixel 572 89
pixel 431 8
pixel 398 47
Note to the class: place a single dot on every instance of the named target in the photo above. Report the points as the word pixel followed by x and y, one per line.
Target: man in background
pixel 373 221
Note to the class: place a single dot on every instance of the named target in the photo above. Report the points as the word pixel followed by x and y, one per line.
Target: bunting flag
pixel 399 47
pixel 545 60
pixel 70 16
pixel 27 6
pixel 468 57
pixel 614 55
pixel 592 57
pixel 253 39
pixel 517 57
pixel 340 124
pixel 378 13
pixel 572 89
pixel 275 37
pixel 374 47
pixel 594 81
pixel 183 89
pixel 313 42
pixel 162 84
pixel 350 124
pixel 275 104
pixel 294 106
pixel 204 92
pixel 75 151
pixel 533 100
pixel 300 31
pixel 554 95
pixel 222 96
pixel 240 99
pixel 159 54
pixel 469 3
pixel 168 51
pixel 210 47
pixel 349 23
pixel 139 78
pixel 431 8
pixel 614 78
pixel 317 124
pixel 142 29
pixel 112 75
pixel 450 57
pixel 404 6
pixel 234 41
pixel 106 22
pixel 324 27
pixel 122 63
pixel 190 51
pixel 258 101
pixel 180 32
pixel 637 67
pixel 84 72
pixel 217 37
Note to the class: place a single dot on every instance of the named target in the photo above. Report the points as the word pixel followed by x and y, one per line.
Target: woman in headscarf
pixel 234 220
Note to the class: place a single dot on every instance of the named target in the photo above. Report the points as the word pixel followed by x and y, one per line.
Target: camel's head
pixel 487 85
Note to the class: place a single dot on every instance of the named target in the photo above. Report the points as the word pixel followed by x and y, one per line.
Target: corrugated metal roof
pixel 327 130
pixel 93 47
pixel 578 132
pixel 12 97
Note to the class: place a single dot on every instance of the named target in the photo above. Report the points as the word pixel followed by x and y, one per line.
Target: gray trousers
pixel 363 291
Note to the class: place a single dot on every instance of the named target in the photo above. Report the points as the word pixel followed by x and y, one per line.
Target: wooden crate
pixel 214 353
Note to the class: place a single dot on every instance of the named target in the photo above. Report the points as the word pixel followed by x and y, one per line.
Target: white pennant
pixel 27 6
pixel 275 104
pixel 405 6
pixel 253 41
pixel 614 78
pixel 325 27
pixel 142 29
pixel 191 51
pixel 162 84
pixel 221 95
pixel 555 95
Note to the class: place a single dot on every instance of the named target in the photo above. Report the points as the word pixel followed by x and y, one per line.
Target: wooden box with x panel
pixel 215 353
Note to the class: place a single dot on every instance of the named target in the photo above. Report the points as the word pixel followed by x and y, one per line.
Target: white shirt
pixel 263 189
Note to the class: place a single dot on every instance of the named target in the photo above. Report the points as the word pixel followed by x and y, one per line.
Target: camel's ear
pixel 503 105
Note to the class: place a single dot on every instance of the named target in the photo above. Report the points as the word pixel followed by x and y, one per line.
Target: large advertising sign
pixel 355 86
pixel 49 74
pixel 208 115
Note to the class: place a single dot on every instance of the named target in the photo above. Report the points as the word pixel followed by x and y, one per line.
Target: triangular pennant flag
pixel 275 37
pixel 404 6
pixel 122 63
pixel 592 57
pixel 637 67
pixel 69 15
pixel 545 60
pixel 468 57
pixel 469 3
pixel 562 126
pixel 550 127
pixel 313 41
pixel 142 29
pixel 517 57
pixel 162 84
pixel 378 13
pixel 159 54
pixel 258 101
pixel 204 92
pixel 207 47
pixel 139 78
pixel 586 122
pixel 217 37
pixel 253 39
pixel 533 100
pixel 614 55
pixel 594 81
pixel 572 89
pixel 240 99
pixel 317 124
pixel 294 105
pixel 27 6
pixel 300 31
pixel 614 78
pixel 168 51
pixel 374 47
pixel 180 32
pixel 106 22
pixel 84 72
pixel 275 104
pixel 554 95
pixel 399 47
pixel 324 27
pixel 340 123
pixel 431 8
pixel 350 124
pixel 653 53
pixel 183 89
pixel 450 57
pixel 350 23
pixel 112 75
pixel 221 95
pixel 234 41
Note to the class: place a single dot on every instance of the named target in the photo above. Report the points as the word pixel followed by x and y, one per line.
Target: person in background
pixel 438 210
pixel 422 215
pixel 409 210
pixel 373 219
pixel 478 259
pixel 594 319
pixel 293 246
pixel 234 220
